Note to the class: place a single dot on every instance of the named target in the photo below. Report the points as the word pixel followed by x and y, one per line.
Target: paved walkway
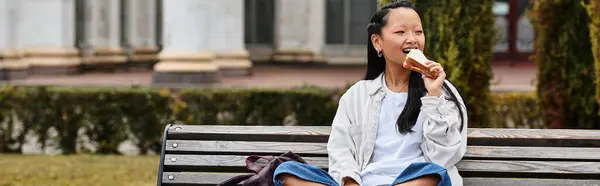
pixel 506 78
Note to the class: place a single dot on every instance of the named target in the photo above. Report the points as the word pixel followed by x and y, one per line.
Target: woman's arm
pixel 340 147
pixel 445 142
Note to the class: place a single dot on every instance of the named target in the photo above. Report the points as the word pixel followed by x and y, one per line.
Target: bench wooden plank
pixel 552 167
pixel 181 160
pixel 528 182
pixel 246 147
pixel 276 148
pixel 533 153
pixel 546 167
pixel 477 136
pixel 251 133
pixel 196 178
pixel 207 178
pixel 535 137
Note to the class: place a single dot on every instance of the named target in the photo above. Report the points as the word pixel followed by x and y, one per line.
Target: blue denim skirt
pixel 317 175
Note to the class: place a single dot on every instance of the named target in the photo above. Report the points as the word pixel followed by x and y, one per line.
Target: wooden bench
pixel 208 155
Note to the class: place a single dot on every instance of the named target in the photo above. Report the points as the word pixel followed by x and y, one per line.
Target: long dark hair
pixel 416 86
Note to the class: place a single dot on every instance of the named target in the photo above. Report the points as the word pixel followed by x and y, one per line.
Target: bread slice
pixel 417 59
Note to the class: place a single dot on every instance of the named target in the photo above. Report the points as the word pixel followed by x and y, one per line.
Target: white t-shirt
pixel 393 152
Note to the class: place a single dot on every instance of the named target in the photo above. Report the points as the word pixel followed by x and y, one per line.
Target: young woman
pixel 395 127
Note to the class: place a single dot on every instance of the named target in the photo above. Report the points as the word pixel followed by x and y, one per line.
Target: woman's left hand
pixel 434 86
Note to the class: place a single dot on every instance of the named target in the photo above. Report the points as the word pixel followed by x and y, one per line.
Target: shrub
pixel 515 110
pixel 565 60
pixel 106 117
pixel 593 9
pixel 258 107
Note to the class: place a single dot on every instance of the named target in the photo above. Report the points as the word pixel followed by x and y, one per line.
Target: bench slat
pixel 528 182
pixel 246 147
pixel 276 148
pixel 477 136
pixel 250 133
pixel 224 161
pixel 546 167
pixel 551 167
pixel 533 153
pixel 535 137
pixel 216 178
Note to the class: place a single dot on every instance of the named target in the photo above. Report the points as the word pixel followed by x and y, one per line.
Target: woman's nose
pixel 410 39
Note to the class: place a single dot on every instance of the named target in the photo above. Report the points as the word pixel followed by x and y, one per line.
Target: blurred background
pixel 89 85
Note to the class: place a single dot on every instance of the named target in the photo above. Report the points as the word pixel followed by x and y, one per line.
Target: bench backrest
pixel 208 154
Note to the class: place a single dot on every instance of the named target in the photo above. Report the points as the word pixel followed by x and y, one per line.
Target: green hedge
pixel 461 35
pixel 515 110
pixel 109 116
pixel 565 62
pixel 593 9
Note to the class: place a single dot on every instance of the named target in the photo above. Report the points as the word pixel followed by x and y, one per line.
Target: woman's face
pixel 402 32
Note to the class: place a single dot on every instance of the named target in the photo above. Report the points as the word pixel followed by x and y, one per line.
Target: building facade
pixel 200 40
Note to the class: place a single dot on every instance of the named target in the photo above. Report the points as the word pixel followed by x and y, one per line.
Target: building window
pixel 346 21
pixel 259 21
pixel 80 21
pixel 525 29
pixel 501 9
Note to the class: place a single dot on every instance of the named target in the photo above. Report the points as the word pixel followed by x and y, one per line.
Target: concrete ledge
pixel 51 52
pixel 238 67
pixel 296 56
pixel 186 68
pixel 14 74
pixel 173 66
pixel 143 58
pixel 235 63
pixel 13 64
pixel 280 58
pixel 240 54
pixel 54 70
pixel 93 60
pixel 52 61
pixel 144 55
pixel 346 61
pixel 13 69
pixel 145 50
pixel 11 54
pixel 294 51
pixel 186 56
pixel 174 78
pixel 105 56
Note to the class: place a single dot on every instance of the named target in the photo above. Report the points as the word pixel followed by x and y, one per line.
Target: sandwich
pixel 417 59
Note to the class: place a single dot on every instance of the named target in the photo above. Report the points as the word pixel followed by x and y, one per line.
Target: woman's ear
pixel 376 40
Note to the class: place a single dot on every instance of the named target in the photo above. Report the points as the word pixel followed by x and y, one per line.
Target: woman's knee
pixel 284 173
pixel 427 180
pixel 291 180
pixel 287 166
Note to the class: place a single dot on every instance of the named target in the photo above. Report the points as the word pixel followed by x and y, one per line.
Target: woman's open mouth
pixel 407 50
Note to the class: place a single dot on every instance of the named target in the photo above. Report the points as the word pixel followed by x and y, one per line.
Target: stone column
pixel 141 31
pixel 186 56
pixel 46 35
pixel 227 37
pixel 299 30
pixel 102 29
pixel 10 65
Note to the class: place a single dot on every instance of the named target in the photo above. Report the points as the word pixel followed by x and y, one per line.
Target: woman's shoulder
pixel 358 90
